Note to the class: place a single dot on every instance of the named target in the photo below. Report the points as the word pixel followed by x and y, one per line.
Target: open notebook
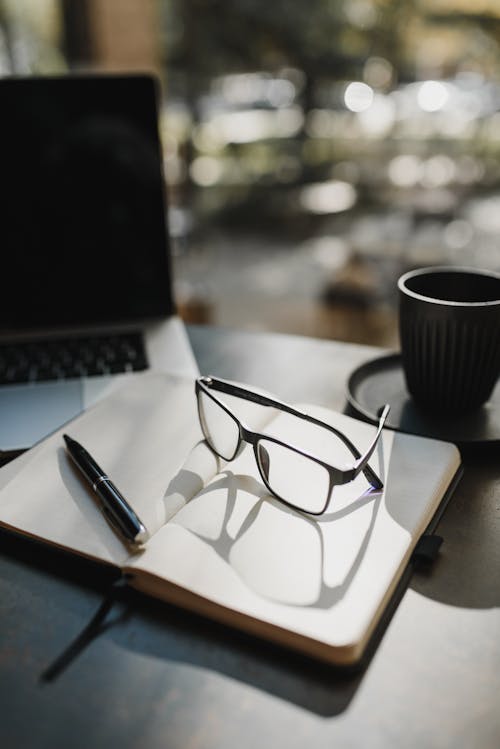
pixel 220 545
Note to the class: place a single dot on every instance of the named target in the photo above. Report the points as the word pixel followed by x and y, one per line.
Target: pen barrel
pixel 118 511
pixel 86 463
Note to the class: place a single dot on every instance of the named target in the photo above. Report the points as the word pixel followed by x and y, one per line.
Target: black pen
pixel 114 506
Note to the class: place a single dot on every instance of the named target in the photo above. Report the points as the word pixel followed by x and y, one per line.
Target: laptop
pixel 86 295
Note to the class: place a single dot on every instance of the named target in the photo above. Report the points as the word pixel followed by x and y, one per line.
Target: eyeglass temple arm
pixel 230 389
pixel 227 387
pixel 363 460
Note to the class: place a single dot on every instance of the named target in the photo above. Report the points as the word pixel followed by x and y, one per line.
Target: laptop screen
pixel 83 217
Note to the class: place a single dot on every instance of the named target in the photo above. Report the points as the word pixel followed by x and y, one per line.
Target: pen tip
pixel 67 439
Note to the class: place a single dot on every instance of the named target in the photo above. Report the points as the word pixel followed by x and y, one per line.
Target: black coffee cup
pixel 449 326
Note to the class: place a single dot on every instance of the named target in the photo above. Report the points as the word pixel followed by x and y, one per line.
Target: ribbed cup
pixel 449 325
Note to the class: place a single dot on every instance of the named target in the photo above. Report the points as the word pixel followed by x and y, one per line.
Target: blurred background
pixel 314 150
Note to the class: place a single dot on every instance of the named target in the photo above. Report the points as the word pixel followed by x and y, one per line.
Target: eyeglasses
pixel 294 476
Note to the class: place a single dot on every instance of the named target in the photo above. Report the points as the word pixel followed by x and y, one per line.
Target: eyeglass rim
pixel 256 438
pixel 360 464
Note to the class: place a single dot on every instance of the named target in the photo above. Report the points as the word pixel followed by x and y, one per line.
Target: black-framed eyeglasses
pixel 294 476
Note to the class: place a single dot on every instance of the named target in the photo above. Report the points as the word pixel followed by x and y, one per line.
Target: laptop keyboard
pixel 61 359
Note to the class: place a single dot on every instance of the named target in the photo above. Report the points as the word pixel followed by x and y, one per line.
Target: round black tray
pixel 381 381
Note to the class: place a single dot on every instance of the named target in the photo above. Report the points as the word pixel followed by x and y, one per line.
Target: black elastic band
pixel 426 549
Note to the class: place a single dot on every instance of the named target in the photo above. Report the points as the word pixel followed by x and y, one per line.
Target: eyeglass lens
pixel 293 477
pixel 220 429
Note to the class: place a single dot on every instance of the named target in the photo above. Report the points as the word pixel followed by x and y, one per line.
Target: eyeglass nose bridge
pixel 246 436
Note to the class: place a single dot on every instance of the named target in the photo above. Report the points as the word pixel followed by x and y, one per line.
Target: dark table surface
pixel 152 675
